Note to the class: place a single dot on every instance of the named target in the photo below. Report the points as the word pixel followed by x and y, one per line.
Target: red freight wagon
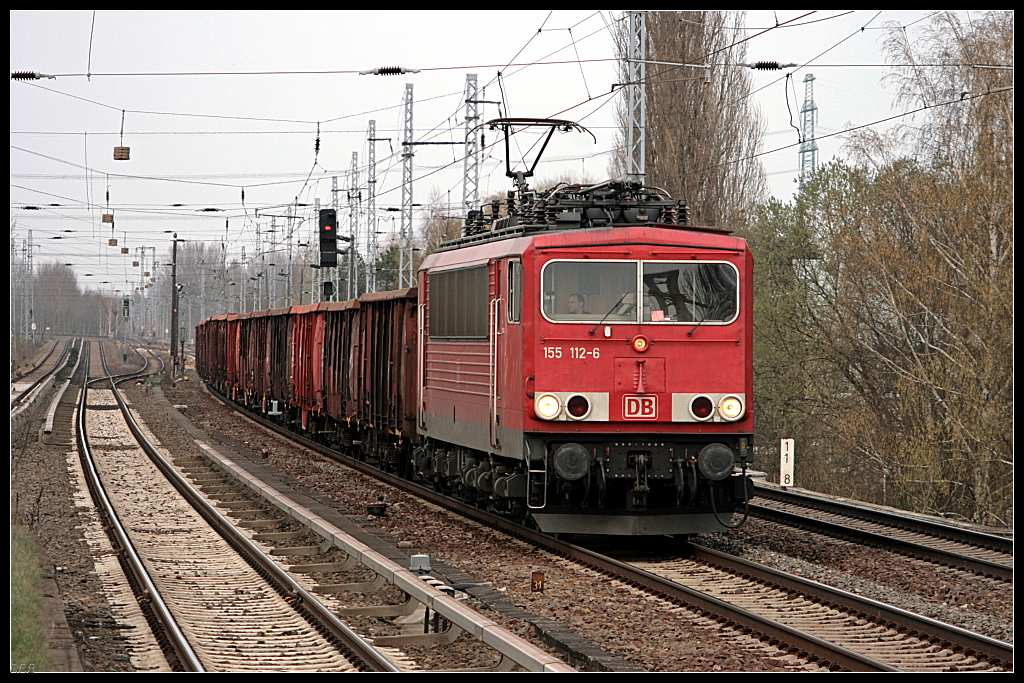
pixel 383 381
pixel 341 353
pixel 212 337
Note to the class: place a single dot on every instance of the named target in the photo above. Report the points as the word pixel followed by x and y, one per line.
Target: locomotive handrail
pixel 421 383
pixel 493 370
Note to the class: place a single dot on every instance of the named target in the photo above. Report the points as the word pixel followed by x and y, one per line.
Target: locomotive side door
pixel 505 314
pixel 496 353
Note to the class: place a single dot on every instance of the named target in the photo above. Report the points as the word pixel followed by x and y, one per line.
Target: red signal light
pixel 702 407
pixel 578 406
pixel 328 240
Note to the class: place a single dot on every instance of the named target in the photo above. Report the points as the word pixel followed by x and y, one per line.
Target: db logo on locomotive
pixel 639 407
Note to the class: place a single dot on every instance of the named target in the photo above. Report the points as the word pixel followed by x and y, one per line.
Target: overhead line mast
pixel 371 206
pixel 808 145
pixel 406 278
pixel 354 199
pixel 471 160
pixel 636 89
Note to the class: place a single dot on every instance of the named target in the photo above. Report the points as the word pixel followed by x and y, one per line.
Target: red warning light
pixel 328 240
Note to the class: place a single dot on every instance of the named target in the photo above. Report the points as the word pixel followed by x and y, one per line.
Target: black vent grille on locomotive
pixel 458 303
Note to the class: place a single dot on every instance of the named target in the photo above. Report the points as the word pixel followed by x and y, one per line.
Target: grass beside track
pixel 28 632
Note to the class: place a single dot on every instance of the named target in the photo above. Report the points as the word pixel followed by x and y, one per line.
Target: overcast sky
pixel 217 105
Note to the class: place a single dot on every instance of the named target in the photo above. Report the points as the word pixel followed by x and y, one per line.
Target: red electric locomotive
pixel 581 359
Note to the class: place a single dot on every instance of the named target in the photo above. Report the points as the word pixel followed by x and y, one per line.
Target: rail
pixel 150 597
pixel 489 632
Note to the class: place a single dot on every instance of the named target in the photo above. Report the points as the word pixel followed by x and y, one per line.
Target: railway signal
pixel 328 238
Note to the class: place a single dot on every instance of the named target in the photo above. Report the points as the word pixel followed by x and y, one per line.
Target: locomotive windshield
pixel 670 292
pixel 690 292
pixel 587 291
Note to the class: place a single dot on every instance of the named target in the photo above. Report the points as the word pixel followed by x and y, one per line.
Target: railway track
pixel 984 554
pixel 310 560
pixel 888 638
pixel 326 556
pixel 938 648
pixel 216 611
pixel 836 629
pixel 26 388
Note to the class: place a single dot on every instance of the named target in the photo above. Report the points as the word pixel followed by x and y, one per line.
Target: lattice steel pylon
pixel 406 277
pixel 471 162
pixel 636 92
pixel 354 200
pixel 372 248
pixel 808 145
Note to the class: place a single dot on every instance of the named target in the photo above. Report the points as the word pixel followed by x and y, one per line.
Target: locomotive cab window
pixel 690 292
pixel 589 291
pixel 515 291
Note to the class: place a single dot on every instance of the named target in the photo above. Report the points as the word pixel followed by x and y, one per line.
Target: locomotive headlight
pixel 548 406
pixel 730 407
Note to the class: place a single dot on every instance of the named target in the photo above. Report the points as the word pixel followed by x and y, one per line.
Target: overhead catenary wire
pixel 311 175
pixel 306 183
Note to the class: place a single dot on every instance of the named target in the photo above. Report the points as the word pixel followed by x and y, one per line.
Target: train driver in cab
pixel 576 304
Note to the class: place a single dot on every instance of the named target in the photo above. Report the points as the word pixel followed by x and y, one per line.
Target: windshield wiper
pixel 707 311
pixel 690 333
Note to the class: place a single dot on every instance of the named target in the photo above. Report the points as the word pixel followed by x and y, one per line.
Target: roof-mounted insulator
pixel 767 66
pixel 28 76
pixel 388 71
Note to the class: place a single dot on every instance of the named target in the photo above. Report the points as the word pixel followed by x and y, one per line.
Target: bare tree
pixel 937 264
pixel 442 222
pixel 885 303
pixel 61 306
pixel 703 130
